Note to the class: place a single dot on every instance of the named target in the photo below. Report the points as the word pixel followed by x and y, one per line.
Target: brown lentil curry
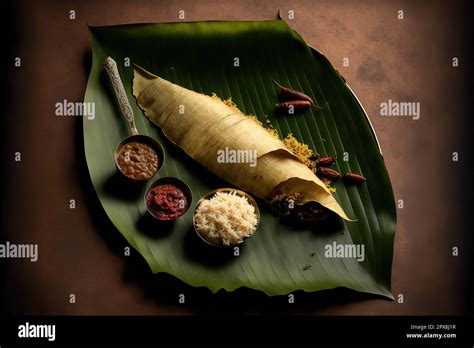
pixel 137 160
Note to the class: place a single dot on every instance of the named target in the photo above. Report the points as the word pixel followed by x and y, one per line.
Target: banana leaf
pixel 240 60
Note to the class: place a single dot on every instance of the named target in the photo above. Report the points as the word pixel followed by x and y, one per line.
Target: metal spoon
pixel 111 68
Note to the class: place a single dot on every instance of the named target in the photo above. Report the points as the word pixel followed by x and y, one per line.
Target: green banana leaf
pixel 279 258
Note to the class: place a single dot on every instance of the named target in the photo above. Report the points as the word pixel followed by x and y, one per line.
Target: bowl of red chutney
pixel 168 198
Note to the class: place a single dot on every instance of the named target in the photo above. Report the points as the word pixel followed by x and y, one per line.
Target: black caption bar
pixel 239 329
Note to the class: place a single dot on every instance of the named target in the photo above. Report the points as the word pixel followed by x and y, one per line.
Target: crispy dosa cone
pixel 207 125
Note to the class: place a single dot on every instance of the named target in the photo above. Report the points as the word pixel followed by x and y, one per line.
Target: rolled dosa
pixel 203 126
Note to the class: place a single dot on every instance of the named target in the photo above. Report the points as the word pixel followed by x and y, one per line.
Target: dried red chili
pixel 293 105
pixel 292 94
pixel 328 173
pixel 352 178
pixel 326 161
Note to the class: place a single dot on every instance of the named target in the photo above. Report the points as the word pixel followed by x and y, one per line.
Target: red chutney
pixel 166 202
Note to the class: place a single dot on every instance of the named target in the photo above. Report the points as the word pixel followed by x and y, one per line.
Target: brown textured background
pixel 81 253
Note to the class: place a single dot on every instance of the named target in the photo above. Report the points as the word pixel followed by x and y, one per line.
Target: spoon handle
pixel 111 67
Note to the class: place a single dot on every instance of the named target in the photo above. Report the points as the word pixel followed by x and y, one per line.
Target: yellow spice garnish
pixel 255 118
pixel 272 131
pixel 328 184
pixel 300 150
pixel 227 101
